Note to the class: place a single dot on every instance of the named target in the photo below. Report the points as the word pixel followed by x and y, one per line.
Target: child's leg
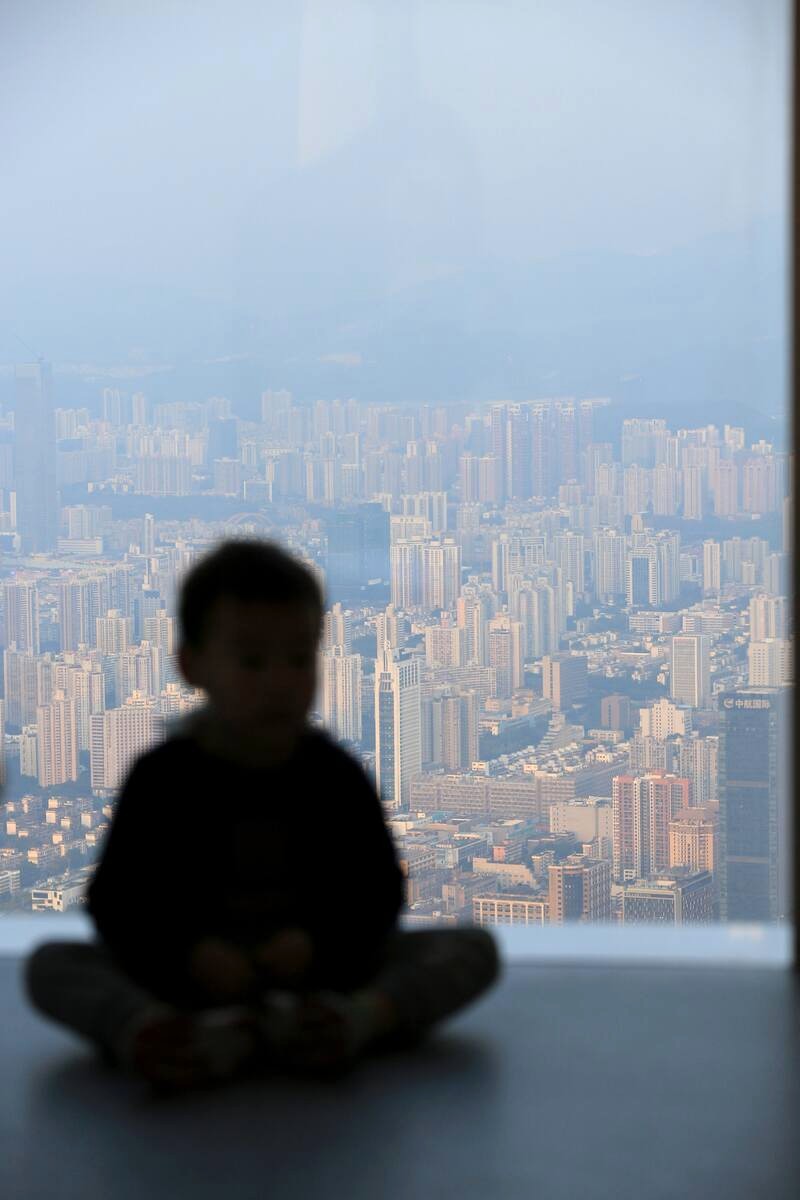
pixel 79 985
pixel 429 974
pixel 424 976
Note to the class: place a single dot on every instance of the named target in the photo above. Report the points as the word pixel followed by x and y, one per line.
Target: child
pixel 248 892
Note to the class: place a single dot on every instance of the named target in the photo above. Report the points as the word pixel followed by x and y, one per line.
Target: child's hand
pixel 222 969
pixel 285 957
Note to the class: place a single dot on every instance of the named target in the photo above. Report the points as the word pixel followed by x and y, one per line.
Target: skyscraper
pixel 425 572
pixel 20 687
pixel 690 679
pixel 341 693
pixel 712 566
pixel 35 458
pixel 505 651
pixel 81 600
pixel 21 604
pixel 118 737
pixel 768 617
pixel 609 565
pixel 398 733
pixel 754 805
pixel 643 807
pixel 57 741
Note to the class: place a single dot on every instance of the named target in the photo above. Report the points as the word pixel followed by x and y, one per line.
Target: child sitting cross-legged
pixel 247 896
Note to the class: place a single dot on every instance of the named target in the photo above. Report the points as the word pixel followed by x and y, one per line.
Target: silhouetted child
pixel 248 892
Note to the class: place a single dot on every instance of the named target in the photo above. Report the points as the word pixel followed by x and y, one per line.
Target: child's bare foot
pixel 178 1051
pixel 332 1029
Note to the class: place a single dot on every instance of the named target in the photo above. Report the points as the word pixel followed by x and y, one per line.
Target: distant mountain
pixel 697 335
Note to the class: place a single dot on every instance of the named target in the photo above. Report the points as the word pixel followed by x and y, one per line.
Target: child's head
pixel 251 617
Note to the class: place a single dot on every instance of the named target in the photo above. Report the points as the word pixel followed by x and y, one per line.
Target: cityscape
pixel 557 637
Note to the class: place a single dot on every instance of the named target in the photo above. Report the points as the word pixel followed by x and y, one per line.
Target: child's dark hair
pixel 248 570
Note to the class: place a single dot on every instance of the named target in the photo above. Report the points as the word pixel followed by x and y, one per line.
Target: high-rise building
pixel 338 628
pixel 665 490
pixel 609 565
pixel 769 663
pixel 21 608
pixel 498 437
pixel 754 805
pixel 81 681
pixel 712 566
pixel 663 719
pixel 35 458
pixel 398 733
pixel 341 693
pixel 693 834
pixel 113 632
pixel 760 485
pixel 640 438
pixel 615 712
pixel 570 550
pixel 450 727
pixel 643 807
pixel 769 617
pixel 81 600
pixel 505 652
pixel 138 671
pixel 690 681
pixel 20 687
pixel 149 535
pixel 468 478
pixel 726 489
pixel 579 889
pixel 641 578
pixel 544 450
pixel 473 610
pixel 164 475
pixel 159 631
pixel 678 896
pixel 698 760
pixel 57 741
pixel 392 628
pixel 425 572
pixel 565 679
pixel 518 452
pixel 118 738
pixel 445 645
pixel 694 488
pixel 636 489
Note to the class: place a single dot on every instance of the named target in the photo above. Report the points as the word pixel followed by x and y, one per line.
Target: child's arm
pixel 141 897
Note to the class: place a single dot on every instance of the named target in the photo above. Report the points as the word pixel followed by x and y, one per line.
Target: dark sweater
pixel 200 846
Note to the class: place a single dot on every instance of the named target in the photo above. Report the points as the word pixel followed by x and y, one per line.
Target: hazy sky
pixel 265 154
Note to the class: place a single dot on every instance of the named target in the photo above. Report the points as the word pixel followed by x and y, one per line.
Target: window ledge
pixel 634 945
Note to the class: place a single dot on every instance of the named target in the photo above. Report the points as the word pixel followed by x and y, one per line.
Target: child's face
pixel 258 664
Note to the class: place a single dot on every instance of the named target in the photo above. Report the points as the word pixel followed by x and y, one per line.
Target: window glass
pixel 481 310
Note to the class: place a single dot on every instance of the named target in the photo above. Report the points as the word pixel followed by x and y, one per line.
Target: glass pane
pixel 479 309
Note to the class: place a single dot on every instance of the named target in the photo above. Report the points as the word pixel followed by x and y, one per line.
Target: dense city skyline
pixel 536 643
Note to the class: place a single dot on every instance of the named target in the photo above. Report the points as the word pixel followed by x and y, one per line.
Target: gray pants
pixel 428 973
